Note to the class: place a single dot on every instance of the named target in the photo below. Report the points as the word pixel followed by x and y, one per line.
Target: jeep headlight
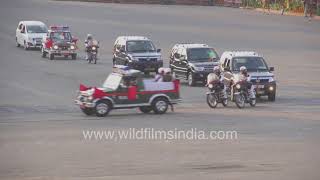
pixel 55 47
pixel 72 47
pixel 238 86
pixel 93 48
pixel 198 68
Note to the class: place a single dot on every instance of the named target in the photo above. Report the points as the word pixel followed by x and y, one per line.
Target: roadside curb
pixel 275 12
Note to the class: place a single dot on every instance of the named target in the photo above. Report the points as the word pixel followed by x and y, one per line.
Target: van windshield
pixel 36 29
pixel 253 64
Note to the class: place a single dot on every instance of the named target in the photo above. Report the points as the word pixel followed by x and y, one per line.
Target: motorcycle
pixel 92 51
pixel 216 95
pixel 241 94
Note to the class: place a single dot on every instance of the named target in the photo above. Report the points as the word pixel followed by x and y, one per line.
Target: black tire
pixel 25 46
pixel 73 56
pixel 145 109
pixel 17 44
pixel 253 102
pixel 240 101
pixel 88 111
pixel 102 108
pixel 212 100
pixel 43 53
pixel 160 105
pixel 272 97
pixel 191 81
pixel 51 56
pixel 224 102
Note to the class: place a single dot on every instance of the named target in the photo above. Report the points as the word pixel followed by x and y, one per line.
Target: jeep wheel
pixel 88 111
pixel 74 56
pixel 102 108
pixel 51 56
pixel 272 97
pixel 191 81
pixel 160 105
pixel 145 109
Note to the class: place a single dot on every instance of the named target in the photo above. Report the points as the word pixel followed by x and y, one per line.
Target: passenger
pixel 88 42
pixel 167 77
pixel 159 76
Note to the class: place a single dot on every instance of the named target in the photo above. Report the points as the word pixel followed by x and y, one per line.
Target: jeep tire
pixel 160 105
pixel 102 108
pixel 191 81
pixel 145 109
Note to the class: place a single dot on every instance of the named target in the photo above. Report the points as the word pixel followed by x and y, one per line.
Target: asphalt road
pixel 41 129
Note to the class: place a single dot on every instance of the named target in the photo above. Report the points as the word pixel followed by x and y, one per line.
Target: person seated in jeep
pixel 159 76
pixel 167 77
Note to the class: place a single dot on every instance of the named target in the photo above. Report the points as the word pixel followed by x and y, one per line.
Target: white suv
pixel 29 34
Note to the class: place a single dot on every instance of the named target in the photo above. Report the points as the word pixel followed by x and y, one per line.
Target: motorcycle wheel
pixel 224 102
pixel 240 100
pixel 253 102
pixel 212 100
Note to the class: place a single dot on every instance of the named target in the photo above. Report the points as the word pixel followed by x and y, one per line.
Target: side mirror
pixel 158 50
pixel 271 69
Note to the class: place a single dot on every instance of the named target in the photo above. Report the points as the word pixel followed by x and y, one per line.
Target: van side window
pixel 23 29
pixel 20 26
pixel 225 63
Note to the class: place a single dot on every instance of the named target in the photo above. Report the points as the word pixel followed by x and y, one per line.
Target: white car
pixel 29 34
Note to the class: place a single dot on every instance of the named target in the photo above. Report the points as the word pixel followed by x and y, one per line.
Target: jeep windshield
pixel 202 54
pixel 61 36
pixel 140 46
pixel 112 82
pixel 253 64
pixel 36 29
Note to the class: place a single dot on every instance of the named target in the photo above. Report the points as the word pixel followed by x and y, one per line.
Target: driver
pixel 218 73
pixel 88 42
pixel 245 76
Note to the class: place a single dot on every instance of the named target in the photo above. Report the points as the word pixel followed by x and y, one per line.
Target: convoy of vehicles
pixel 59 42
pixel 137 52
pixel 193 62
pixel 134 57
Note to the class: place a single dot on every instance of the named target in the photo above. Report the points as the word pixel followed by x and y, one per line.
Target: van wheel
pixel 25 46
pixel 17 44
pixel 160 105
pixel 191 81
pixel 102 108
pixel 145 109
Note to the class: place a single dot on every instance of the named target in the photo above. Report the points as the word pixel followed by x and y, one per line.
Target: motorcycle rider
pixel 88 42
pixel 218 73
pixel 245 76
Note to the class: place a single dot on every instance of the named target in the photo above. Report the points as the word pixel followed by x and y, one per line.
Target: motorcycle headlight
pixel 94 48
pixel 55 47
pixel 72 47
pixel 238 86
pixel 198 68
